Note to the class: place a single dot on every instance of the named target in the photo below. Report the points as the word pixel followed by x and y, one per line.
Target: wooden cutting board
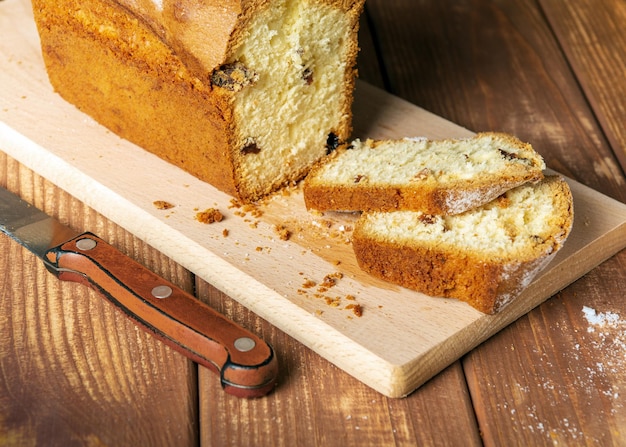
pixel 401 339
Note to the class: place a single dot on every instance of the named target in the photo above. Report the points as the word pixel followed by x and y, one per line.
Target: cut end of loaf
pixel 485 256
pixel 298 101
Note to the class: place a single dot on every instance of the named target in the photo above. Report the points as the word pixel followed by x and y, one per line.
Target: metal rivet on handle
pixel 244 344
pixel 161 292
pixel 86 244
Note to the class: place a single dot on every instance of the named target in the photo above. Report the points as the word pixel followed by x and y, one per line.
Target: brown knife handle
pixel 246 364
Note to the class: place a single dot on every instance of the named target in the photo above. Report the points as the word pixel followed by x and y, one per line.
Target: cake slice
pixel 434 176
pixel 244 94
pixel 485 256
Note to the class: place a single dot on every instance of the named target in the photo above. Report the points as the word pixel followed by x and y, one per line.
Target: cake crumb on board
pixel 335 301
pixel 283 233
pixel 163 205
pixel 209 216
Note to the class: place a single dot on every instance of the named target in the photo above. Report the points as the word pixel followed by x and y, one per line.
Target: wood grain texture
pixel 593 37
pixel 367 61
pixel 316 403
pixel 72 368
pixel 495 65
pixel 553 377
pixel 556 377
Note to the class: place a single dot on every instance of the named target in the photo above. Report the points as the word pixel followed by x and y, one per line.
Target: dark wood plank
pixel 593 36
pixel 557 377
pixel 73 370
pixel 367 61
pixel 316 403
pixel 497 66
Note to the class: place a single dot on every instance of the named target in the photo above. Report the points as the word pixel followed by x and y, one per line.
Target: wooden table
pixel 73 371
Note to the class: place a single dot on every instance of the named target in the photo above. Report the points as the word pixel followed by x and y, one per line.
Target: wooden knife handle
pixel 246 364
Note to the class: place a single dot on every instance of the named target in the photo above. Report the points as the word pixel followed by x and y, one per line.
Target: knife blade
pixel 246 365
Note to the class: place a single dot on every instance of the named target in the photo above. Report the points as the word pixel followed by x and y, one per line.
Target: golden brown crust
pixel 431 199
pixel 117 81
pixel 182 25
pixel 484 281
pixel 441 274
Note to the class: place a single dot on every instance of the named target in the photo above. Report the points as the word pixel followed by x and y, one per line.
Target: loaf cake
pixel 244 94
pixel 436 177
pixel 485 256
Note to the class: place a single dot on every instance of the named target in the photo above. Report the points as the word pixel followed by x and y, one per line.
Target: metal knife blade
pixel 29 226
pixel 246 364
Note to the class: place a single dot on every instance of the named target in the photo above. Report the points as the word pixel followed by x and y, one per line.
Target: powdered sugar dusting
pixel 609 340
pixel 461 202
pixel 585 379
pixel 600 319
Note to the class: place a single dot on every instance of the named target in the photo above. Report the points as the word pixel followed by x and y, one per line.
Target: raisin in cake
pixel 244 94
pixel 434 176
pixel 485 256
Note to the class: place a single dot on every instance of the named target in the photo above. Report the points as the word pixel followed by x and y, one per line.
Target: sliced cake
pixel 433 176
pixel 485 256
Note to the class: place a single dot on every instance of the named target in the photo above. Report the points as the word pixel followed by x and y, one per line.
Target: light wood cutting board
pixel 401 340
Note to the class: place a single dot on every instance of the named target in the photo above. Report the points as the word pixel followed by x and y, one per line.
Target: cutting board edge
pixel 391 380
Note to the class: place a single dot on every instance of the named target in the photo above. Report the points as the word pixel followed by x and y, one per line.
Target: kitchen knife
pixel 246 365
